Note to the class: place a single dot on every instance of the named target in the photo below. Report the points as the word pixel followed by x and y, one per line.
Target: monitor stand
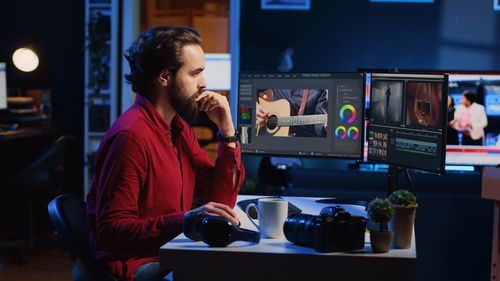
pixel 393 179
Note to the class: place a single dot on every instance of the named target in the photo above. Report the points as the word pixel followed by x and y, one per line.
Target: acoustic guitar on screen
pixel 280 121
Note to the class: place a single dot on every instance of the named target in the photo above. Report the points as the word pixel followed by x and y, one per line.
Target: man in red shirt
pixel 149 166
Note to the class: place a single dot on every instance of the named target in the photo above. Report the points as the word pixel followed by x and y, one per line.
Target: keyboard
pixel 292 209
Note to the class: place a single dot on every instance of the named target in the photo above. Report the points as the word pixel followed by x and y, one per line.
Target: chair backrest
pixel 68 214
pixel 37 174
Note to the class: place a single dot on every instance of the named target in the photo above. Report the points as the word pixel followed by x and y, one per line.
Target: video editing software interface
pixel 302 114
pixel 407 125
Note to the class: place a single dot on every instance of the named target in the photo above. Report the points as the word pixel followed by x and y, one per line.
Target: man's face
pixel 189 82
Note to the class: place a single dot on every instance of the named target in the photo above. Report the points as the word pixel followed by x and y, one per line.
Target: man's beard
pixel 186 107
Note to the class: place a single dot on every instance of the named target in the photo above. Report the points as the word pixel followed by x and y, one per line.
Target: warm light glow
pixel 25 59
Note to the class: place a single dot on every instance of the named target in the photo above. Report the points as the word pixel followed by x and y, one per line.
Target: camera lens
pixel 299 228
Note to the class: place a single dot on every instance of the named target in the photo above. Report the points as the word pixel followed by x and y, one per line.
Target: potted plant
pixel 405 205
pixel 381 212
pixel 99 34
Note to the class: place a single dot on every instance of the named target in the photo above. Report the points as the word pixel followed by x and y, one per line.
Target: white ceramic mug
pixel 272 213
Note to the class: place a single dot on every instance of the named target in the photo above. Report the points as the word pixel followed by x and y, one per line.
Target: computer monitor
pixel 485 88
pixel 301 114
pixel 3 86
pixel 218 71
pixel 407 125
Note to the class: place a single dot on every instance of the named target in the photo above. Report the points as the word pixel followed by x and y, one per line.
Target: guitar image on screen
pixel 280 120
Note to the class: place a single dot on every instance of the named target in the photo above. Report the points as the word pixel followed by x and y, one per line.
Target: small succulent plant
pixel 403 197
pixel 381 212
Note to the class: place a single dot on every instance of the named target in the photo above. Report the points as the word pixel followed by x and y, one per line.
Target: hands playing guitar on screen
pixel 262 113
pixel 274 115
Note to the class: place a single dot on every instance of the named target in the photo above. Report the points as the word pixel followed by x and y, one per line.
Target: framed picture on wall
pixel 402 1
pixel 285 4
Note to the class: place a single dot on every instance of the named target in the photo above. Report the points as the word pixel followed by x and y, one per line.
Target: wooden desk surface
pixel 278 259
pixel 26 132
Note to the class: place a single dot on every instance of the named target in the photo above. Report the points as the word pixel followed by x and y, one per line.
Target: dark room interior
pixel 104 176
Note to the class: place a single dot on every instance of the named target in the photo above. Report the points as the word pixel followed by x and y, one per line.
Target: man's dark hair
pixel 157 49
pixel 470 97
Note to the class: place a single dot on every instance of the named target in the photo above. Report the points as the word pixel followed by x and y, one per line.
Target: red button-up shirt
pixel 147 173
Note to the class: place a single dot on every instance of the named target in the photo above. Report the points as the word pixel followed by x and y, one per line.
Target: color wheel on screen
pixel 353 133
pixel 344 116
pixel 341 132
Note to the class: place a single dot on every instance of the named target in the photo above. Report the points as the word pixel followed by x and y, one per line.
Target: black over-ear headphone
pixel 215 231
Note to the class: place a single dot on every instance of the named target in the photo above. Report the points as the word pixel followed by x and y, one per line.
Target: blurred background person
pixel 451 133
pixel 470 119
pixel 285 61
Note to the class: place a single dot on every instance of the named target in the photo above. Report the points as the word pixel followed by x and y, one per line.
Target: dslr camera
pixel 333 230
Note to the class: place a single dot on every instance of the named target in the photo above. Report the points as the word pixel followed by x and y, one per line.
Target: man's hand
pixel 217 108
pixel 218 209
pixel 262 116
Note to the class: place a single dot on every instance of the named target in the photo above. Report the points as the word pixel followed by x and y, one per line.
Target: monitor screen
pixel 3 87
pixel 473 134
pixel 301 114
pixel 408 120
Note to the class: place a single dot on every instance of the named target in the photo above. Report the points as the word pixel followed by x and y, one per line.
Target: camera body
pixel 333 230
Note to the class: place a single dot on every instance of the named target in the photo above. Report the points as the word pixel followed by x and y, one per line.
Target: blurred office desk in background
pixel 20 147
pixel 278 259
pixel 26 132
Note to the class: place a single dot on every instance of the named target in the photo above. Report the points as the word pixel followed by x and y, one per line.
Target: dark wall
pixel 55 30
pixel 346 35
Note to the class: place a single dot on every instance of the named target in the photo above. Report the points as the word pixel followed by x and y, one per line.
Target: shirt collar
pixel 155 117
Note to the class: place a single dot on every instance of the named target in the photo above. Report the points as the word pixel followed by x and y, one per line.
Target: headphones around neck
pixel 215 231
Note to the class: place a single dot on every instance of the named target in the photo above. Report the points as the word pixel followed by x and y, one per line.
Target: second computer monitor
pixel 3 87
pixel 302 114
pixel 407 126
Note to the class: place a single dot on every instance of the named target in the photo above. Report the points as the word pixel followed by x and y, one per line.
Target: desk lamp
pixel 25 59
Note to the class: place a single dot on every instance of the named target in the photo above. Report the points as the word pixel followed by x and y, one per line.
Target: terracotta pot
pixel 381 241
pixel 402 225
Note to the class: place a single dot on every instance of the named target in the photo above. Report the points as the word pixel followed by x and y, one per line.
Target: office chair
pixel 68 214
pixel 275 174
pixel 41 175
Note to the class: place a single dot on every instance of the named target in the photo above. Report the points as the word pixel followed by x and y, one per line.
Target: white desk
pixel 278 259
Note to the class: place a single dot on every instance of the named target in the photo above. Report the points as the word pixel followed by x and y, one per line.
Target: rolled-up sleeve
pixel 216 182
